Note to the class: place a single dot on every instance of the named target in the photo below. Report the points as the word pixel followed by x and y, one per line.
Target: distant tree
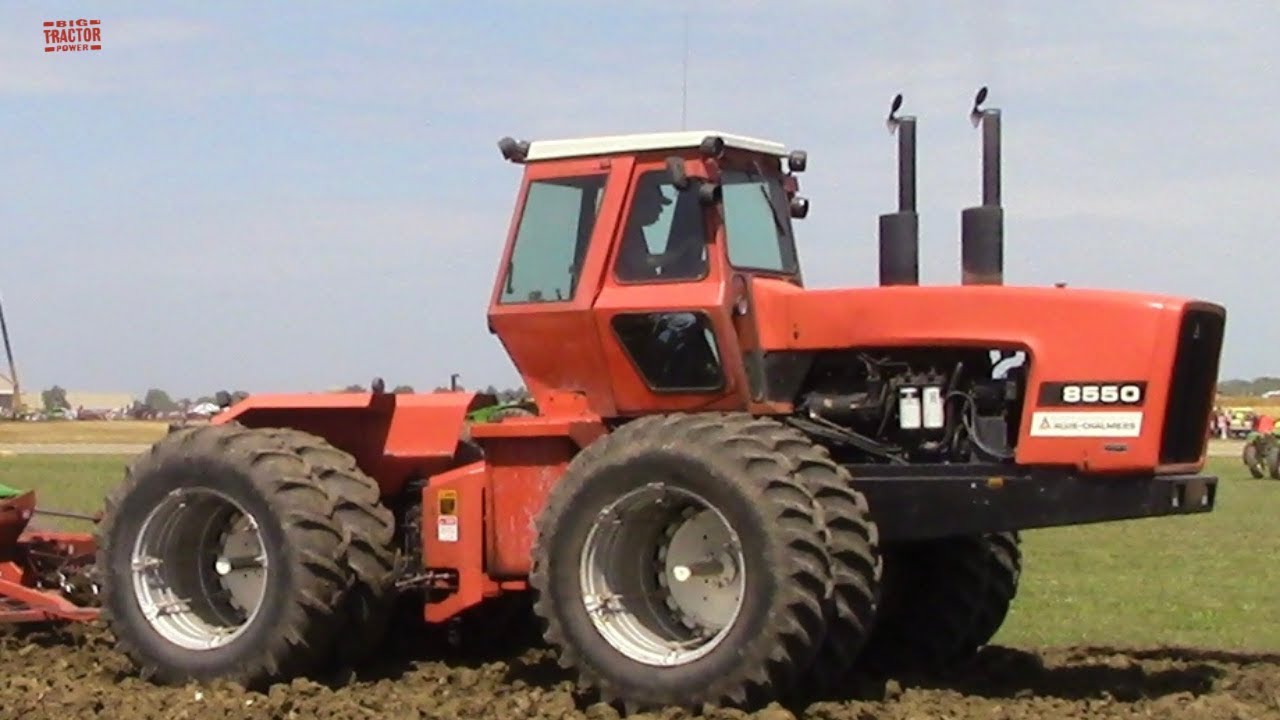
pixel 354 389
pixel 159 400
pixel 1249 388
pixel 55 398
pixel 513 394
pixel 403 390
pixel 236 396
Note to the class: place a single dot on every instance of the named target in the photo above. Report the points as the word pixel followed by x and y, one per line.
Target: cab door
pixel 663 312
pixel 550 274
pixel 756 230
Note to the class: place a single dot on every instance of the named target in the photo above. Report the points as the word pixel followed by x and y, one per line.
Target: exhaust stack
pixel 900 231
pixel 982 227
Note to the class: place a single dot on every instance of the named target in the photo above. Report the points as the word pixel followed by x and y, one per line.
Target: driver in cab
pixel 684 257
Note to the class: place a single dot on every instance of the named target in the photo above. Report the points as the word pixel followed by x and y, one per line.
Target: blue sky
pixel 276 197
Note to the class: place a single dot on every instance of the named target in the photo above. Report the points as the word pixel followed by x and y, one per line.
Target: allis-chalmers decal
pixel 1086 424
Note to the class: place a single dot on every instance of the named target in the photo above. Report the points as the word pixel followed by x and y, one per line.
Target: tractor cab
pixel 626 258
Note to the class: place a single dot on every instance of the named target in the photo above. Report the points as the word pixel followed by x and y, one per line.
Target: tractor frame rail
pixel 923 502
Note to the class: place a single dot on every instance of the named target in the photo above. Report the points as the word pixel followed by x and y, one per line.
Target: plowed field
pixel 74 673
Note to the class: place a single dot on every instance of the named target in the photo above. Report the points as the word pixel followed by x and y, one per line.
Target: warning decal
pixel 448 502
pixel 447 516
pixel 1086 424
pixel 447 528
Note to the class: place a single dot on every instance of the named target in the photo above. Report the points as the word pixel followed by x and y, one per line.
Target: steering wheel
pixel 668 259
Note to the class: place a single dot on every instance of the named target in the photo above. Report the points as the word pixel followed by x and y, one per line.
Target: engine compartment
pixel 908 405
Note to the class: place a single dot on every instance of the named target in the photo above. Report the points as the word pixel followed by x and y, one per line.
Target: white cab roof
pixel 620 144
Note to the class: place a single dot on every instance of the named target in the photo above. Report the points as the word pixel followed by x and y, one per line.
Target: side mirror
pixel 708 189
pixel 797 161
pixel 712 147
pixel 679 173
pixel 799 207
pixel 513 150
pixel 709 193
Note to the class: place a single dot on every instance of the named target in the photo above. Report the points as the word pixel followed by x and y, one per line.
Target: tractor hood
pixel 1168 345
pixel 1118 330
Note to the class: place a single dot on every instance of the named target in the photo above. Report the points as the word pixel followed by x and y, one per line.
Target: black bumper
pixel 919 503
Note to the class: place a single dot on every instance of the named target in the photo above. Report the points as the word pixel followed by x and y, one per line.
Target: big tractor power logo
pixel 72 35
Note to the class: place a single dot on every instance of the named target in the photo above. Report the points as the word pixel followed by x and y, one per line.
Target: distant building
pixel 99 402
pixel 95 402
pixel 6 397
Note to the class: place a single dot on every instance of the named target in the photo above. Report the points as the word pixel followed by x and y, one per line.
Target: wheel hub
pixel 662 576
pixel 240 565
pixel 700 572
pixel 199 568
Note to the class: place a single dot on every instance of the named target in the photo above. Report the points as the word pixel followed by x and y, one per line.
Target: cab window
pixel 757 222
pixel 665 237
pixel 552 239
pixel 674 351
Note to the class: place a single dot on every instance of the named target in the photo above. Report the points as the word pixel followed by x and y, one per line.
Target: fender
pixel 392 437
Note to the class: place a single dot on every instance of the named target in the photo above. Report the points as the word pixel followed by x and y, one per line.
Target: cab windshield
pixel 757 222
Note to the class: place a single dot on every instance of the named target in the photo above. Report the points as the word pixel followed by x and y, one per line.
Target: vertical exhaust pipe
pixel 982 227
pixel 900 231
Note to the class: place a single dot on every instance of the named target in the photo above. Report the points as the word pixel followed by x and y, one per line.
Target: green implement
pixel 1261 454
pixel 495 413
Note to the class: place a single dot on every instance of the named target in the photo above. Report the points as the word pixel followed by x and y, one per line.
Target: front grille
pixel 1192 386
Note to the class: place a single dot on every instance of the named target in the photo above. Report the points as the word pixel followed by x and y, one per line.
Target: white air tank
pixel 934 417
pixel 909 408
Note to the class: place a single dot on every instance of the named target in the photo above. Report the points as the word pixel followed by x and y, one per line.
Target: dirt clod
pixel 58 673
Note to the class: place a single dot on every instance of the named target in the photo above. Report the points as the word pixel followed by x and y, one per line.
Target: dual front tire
pixel 723 559
pixel 683 560
pixel 942 601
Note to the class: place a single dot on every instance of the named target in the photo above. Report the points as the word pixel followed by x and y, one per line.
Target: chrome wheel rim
pixel 199 569
pixel 662 576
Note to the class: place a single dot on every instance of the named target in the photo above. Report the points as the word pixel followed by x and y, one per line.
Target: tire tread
pixel 770 662
pixel 307 513
pixel 853 541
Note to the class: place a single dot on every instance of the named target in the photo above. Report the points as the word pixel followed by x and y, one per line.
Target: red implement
pixel 43 575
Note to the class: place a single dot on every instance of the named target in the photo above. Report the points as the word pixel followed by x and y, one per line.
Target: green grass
pixel 76 483
pixel 1208 580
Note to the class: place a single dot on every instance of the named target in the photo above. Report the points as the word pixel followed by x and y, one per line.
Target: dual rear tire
pixel 243 554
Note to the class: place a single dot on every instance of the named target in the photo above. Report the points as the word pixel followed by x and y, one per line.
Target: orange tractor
pixel 730 488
